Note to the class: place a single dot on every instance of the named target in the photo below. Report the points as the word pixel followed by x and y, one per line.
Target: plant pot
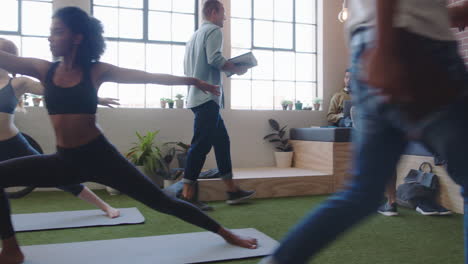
pixel 156 179
pixel 112 191
pixel 285 107
pixel 168 183
pixel 163 104
pixel 37 101
pixel 283 159
pixel 298 106
pixel 180 103
pixel 171 105
pixel 316 107
pixel 290 106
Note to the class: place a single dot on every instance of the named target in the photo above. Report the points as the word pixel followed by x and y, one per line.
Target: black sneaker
pixel 442 210
pixel 239 196
pixel 388 209
pixel 426 208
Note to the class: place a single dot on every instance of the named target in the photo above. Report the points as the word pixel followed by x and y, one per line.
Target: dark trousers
pixel 208 131
pixel 97 161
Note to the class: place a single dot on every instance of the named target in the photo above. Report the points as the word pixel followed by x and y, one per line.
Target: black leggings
pixel 97 161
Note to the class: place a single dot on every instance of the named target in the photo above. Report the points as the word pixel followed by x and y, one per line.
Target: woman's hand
pixel 109 102
pixel 206 87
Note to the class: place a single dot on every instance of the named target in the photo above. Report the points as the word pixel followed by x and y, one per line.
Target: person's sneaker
pixel 442 210
pixel 388 209
pixel 239 196
pixel 426 209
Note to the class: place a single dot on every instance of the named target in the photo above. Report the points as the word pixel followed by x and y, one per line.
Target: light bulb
pixel 343 15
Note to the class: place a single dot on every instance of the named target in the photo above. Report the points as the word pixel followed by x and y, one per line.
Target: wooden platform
pixel 271 182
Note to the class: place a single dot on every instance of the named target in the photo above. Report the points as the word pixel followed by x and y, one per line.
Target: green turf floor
pixel 409 238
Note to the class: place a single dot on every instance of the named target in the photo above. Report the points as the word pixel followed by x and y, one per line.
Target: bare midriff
pixel 7 126
pixel 74 130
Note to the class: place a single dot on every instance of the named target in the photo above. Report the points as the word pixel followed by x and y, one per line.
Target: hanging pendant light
pixel 343 15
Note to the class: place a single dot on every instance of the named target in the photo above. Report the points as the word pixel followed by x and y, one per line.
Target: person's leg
pixel 389 208
pixel 202 141
pixel 222 147
pixel 85 194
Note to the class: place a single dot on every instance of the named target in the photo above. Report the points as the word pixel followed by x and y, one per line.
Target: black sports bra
pixel 8 100
pixel 79 99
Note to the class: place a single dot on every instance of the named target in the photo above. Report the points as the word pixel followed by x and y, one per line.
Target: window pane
pixel 109 90
pixel 264 70
pixel 241 33
pixel 183 6
pixel 111 54
pixel 132 55
pixel 158 58
pixel 241 8
pixel 183 27
pixel 284 66
pixel 305 92
pixel 305 38
pixel 9 17
pixel 154 93
pixel 132 95
pixel 240 94
pixel 283 35
pixel 131 3
pixel 36 48
pixel 159 26
pixel 284 10
pixel 263 9
pixel 131 24
pixel 178 53
pixel 284 91
pixel 106 2
pixel 263 34
pixel 109 18
pixel 162 5
pixel 262 95
pixel 305 11
pixel 305 67
pixel 36 18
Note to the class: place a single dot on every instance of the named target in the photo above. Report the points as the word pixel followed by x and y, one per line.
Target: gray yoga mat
pixel 74 219
pixel 167 249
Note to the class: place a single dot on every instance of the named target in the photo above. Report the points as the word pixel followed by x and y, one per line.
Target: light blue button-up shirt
pixel 204 60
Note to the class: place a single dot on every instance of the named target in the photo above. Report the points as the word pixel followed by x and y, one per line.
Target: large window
pixel 147 35
pixel 27 24
pixel 282 34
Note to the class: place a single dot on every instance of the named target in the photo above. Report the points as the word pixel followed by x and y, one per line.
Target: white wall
pixel 246 128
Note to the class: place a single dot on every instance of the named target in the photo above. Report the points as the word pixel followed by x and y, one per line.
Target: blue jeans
pixel 208 131
pixel 378 145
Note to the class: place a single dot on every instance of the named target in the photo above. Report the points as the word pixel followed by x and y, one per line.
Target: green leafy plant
pixel 169 101
pixel 317 100
pixel 278 137
pixel 179 96
pixel 145 152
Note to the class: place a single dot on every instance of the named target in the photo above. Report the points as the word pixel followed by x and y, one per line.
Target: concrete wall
pixel 246 128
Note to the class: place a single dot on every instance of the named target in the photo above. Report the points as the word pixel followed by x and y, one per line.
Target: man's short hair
pixel 209 6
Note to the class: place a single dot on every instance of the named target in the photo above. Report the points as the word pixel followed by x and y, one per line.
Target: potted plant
pixel 179 101
pixel 290 105
pixel 284 155
pixel 298 105
pixel 170 102
pixel 145 154
pixel 36 99
pixel 284 104
pixel 162 101
pixel 317 103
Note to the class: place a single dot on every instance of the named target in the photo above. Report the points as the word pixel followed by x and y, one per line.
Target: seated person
pixel 336 115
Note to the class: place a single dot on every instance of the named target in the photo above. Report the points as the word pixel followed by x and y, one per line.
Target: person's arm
pixel 214 49
pixel 110 73
pixel 459 15
pixel 109 102
pixel 334 114
pixel 30 86
pixel 25 66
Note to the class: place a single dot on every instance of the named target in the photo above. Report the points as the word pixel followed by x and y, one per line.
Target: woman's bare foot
pixel 11 252
pixel 111 212
pixel 231 238
pixel 7 258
